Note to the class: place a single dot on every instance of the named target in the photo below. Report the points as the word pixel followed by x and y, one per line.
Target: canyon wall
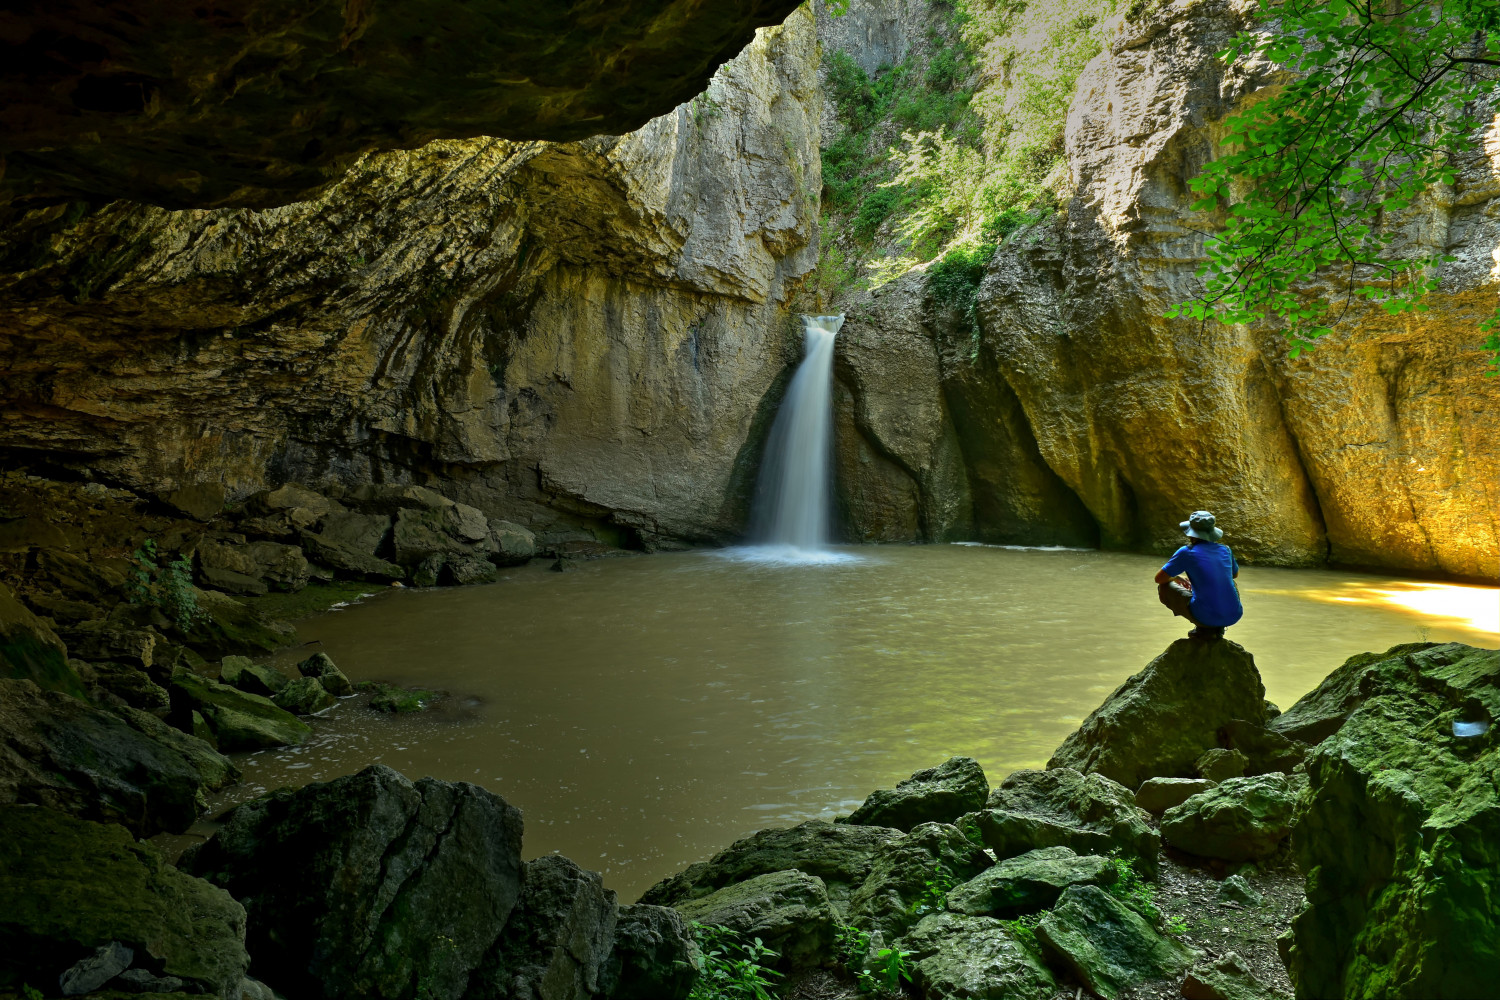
pixel 566 334
pixel 1080 410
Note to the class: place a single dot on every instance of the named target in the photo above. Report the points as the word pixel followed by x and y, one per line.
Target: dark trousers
pixel 1177 597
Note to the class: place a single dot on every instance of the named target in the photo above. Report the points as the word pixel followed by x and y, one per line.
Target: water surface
pixel 644 712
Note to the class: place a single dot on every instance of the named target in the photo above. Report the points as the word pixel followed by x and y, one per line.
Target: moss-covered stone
pixel 229 627
pixel 1400 835
pixel 304 696
pixel 1318 714
pixel 1106 944
pixel 1160 794
pixel 247 675
pixel 910 876
pixel 396 700
pixel 1029 882
pixel 71 886
pixel 322 667
pixel 1060 807
pixel 240 720
pixel 31 650
pixel 1160 721
pixel 1239 819
pixel 789 911
pixel 959 957
pixel 936 795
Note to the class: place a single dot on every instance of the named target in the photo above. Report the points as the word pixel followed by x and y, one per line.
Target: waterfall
pixel 791 496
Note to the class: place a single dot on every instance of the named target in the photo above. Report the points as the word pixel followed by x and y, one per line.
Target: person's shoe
pixel 1206 634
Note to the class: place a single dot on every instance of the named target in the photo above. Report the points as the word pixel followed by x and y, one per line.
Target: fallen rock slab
pixel 1060 807
pixel 1161 720
pixel 1106 944
pixel 936 795
pixel 72 888
pixel 1240 819
pixel 1029 882
pixel 239 720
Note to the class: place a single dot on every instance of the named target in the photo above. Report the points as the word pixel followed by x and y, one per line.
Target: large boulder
pixel 1400 835
pixel 936 795
pixel 239 720
pixel 321 667
pixel 1160 794
pixel 1239 819
pixel 1318 714
pixel 31 650
pixel 789 911
pixel 959 957
pixel 557 941
pixel 111 639
pixel 71 887
pixel 840 855
pixel 1060 807
pixel 1106 944
pixel 370 885
pixel 1161 720
pixel 911 875
pixel 341 556
pixel 126 767
pixel 247 675
pixel 512 544
pixel 1029 882
pixel 655 956
pixel 304 696
pixel 227 627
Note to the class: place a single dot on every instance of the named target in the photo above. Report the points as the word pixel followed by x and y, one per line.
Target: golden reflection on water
pixel 644 712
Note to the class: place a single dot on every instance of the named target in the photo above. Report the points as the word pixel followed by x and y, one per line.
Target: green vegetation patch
pixel 310 600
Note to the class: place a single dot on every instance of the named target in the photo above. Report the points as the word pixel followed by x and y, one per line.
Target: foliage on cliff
pixel 1318 178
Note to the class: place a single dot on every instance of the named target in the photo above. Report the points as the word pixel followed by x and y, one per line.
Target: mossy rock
pixel 958 957
pixel 1400 834
pixel 239 720
pixel 789 911
pixel 936 795
pixel 304 696
pixel 1106 944
pixel 71 886
pixel 1239 819
pixel 322 667
pixel 909 876
pixel 228 627
pixel 396 700
pixel 256 678
pixel 31 651
pixel 1029 882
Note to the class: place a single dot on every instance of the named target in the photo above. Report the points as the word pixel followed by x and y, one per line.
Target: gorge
pixel 392 400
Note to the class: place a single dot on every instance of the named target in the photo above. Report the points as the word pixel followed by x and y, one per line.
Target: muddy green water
pixel 645 712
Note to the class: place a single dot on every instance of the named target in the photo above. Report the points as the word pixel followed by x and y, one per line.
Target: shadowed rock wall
pixel 564 334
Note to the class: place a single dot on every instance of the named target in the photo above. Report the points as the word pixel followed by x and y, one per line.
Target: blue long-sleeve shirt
pixel 1211 567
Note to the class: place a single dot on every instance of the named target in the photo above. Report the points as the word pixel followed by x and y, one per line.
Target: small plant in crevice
pixel 1140 895
pixel 1024 929
pixel 935 889
pixel 891 968
pixel 954 281
pixel 167 585
pixel 733 968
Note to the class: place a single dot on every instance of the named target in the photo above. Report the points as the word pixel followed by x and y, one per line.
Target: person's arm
pixel 1173 567
pixel 1162 576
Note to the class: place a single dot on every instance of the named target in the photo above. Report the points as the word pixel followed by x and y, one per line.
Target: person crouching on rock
pixel 1208 597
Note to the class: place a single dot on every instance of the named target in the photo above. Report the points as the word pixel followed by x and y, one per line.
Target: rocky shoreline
pixel 1189 839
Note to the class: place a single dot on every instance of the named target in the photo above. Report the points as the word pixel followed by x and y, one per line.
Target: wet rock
pixel 247 675
pixel 127 767
pixel 465 570
pixel 1398 835
pixel 240 720
pixel 1106 944
pixel 512 544
pixel 558 939
pixel 936 795
pixel 1161 720
pixel 1062 808
pixel 32 651
pixel 322 667
pixel 841 855
pixel 1160 794
pixel 654 957
pixel 304 696
pixel 789 911
pixel 396 700
pixel 71 885
pixel 1029 882
pixel 369 885
pixel 959 957
pixel 1240 819
pixel 909 876
pixel 127 684
pixel 93 971
pixel 1318 714
pixel 1219 764
pixel 1227 978
pixel 111 640
pixel 1235 889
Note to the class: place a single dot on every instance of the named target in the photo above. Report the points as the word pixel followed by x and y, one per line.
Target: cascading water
pixel 791 498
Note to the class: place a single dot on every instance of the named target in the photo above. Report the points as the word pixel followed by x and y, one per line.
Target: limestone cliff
pixel 560 333
pixel 1078 408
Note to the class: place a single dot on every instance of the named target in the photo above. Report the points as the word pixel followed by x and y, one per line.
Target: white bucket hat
pixel 1200 524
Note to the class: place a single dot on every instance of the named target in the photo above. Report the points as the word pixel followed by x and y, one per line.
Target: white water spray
pixel 791 501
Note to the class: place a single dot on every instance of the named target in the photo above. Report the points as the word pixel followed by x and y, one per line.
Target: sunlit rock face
pixel 251 103
pixel 1080 410
pixel 563 333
